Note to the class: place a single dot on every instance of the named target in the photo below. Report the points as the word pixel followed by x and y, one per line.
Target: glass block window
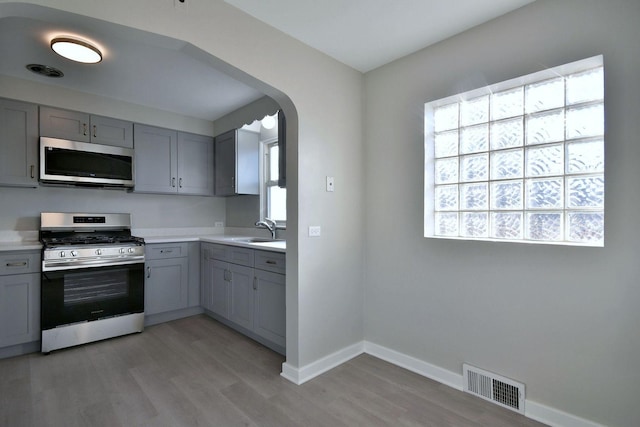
pixel 521 160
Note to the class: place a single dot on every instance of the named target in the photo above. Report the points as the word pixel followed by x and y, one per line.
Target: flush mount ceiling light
pixel 76 50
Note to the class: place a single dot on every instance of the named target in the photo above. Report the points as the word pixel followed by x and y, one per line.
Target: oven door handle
pixel 76 265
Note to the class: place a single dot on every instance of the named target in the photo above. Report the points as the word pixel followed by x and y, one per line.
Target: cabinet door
pixel 219 288
pixel 19 309
pixel 270 307
pixel 241 295
pixel 18 143
pixel 195 164
pixel 156 160
pixel 108 131
pixel 225 163
pixel 205 276
pixel 64 124
pixel 247 162
pixel 166 285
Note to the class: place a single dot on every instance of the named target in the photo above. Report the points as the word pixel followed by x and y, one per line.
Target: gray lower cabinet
pixel 18 143
pixel 84 127
pixel 19 297
pixel 245 288
pixel 241 297
pixel 166 285
pixel 269 306
pixel 171 162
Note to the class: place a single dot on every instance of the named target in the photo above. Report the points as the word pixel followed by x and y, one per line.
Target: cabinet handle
pixel 84 129
pixel 173 181
pixel 148 272
pixel 271 262
pixel 33 167
pixel 255 286
pixel 95 131
pixel 17 264
pixel 180 183
pixel 166 251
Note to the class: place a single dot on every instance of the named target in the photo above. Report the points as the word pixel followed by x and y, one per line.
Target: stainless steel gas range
pixel 92 278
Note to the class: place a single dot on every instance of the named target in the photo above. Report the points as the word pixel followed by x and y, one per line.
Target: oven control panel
pixel 86 256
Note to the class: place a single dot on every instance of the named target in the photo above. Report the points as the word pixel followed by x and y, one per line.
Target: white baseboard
pixel 555 417
pixel 301 375
pixel 414 365
pixel 533 410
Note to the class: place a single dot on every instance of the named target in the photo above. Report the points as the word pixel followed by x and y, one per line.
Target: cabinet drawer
pixel 218 252
pixel 173 250
pixel 241 256
pixel 19 262
pixel 270 261
pixel 232 254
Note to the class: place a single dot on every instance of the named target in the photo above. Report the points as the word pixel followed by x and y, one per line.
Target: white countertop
pixel 20 246
pixel 233 240
pixel 12 241
pixel 23 240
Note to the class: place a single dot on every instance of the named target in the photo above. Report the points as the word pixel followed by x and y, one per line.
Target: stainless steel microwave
pixel 81 163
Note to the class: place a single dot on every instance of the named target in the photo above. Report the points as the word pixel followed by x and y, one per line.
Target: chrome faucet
pixel 269 224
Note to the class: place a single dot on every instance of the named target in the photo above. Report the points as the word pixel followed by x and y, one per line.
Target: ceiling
pixel 172 75
pixel 366 34
pixel 137 67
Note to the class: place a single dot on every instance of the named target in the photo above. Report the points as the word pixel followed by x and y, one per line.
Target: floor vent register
pixel 494 388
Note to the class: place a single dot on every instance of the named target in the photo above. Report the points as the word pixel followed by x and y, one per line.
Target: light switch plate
pixel 314 231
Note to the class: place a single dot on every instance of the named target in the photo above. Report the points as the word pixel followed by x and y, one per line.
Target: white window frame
pixel 265 183
pixel 430 160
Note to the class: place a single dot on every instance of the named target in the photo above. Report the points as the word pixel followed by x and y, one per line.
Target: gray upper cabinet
pixel 156 159
pixel 237 163
pixel 171 162
pixel 18 143
pixel 83 127
pixel 195 164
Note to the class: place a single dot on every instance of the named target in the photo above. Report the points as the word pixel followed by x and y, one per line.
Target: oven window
pixel 88 287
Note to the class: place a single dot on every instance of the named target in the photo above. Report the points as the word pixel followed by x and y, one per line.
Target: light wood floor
pixel 197 372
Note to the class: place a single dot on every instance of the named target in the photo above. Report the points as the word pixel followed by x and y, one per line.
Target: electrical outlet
pixel 314 231
pixel 219 224
pixel 330 183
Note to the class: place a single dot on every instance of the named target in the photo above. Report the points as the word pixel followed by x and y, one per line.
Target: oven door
pixel 79 295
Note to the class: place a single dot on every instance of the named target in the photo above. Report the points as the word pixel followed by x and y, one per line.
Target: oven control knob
pixel 98 251
pixel 121 250
pixel 130 250
pixel 62 254
pixel 74 253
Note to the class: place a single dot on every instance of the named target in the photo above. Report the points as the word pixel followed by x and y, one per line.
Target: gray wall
pixel 20 207
pixel 563 320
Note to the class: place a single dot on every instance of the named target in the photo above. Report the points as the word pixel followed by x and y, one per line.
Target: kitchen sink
pixel 256 240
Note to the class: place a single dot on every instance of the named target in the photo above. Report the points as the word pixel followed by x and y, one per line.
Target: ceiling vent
pixel 45 70
pixel 494 388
